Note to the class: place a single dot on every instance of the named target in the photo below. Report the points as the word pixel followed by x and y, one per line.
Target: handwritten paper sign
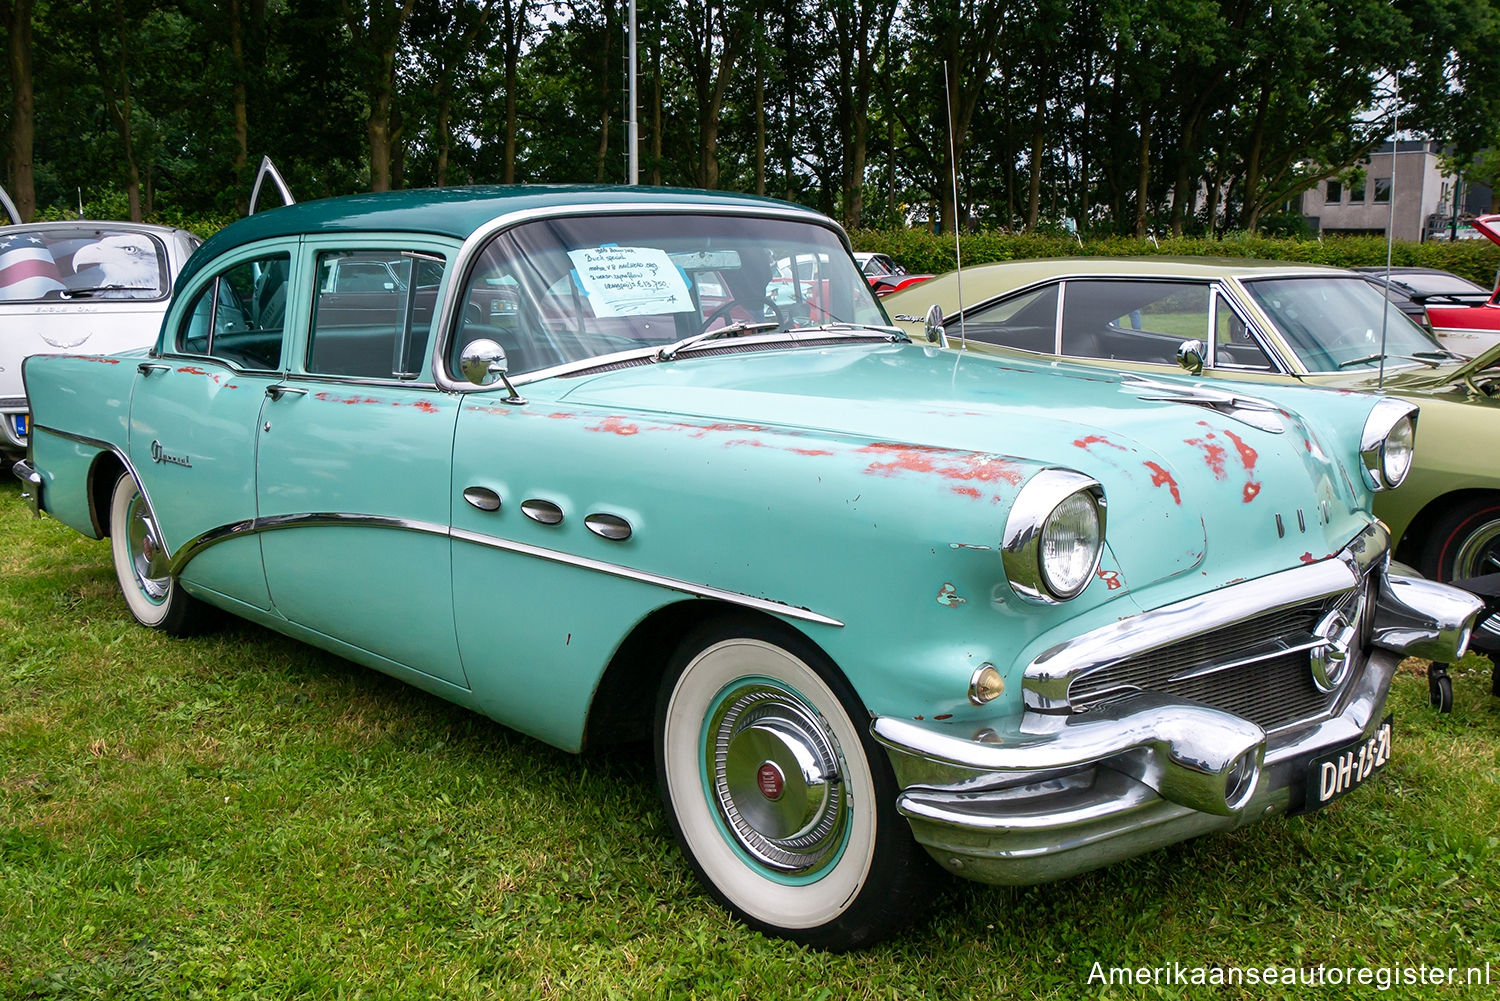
pixel 631 281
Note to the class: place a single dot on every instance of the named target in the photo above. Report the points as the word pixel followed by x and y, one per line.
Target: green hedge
pixel 920 251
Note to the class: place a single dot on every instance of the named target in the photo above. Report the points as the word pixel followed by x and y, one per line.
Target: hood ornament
pixel 1249 410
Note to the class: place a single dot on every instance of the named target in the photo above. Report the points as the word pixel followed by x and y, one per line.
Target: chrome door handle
pixel 147 367
pixel 278 391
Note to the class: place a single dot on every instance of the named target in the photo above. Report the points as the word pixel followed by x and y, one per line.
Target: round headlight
pixel 1396 453
pixel 1385 445
pixel 1054 536
pixel 1070 545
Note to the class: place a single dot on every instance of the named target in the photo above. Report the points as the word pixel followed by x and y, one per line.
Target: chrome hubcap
pixel 776 779
pixel 147 558
pixel 1480 554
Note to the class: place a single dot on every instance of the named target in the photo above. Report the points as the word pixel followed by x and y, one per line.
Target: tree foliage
pixel 1126 116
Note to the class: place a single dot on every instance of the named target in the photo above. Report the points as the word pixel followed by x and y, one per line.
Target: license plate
pixel 1331 775
pixel 22 424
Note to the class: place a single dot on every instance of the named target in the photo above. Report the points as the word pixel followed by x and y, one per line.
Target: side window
pixel 238 316
pixel 374 312
pixel 1234 346
pixel 1027 321
pixel 1133 321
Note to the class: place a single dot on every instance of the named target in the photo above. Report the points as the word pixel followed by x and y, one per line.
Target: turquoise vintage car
pixel 586 465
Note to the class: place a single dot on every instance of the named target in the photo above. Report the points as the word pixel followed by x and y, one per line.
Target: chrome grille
pixel 1273 690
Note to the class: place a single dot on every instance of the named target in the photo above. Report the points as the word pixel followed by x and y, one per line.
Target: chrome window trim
pixel 468 255
pixel 1048 676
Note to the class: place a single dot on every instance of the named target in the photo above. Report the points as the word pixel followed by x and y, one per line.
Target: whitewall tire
pixel 152 594
pixel 783 804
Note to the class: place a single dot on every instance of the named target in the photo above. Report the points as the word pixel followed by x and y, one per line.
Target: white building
pixel 1411 176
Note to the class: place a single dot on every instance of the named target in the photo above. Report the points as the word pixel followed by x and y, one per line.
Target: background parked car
pixel 1261 322
pixel 884 274
pixel 96 287
pixel 864 598
pixel 1464 316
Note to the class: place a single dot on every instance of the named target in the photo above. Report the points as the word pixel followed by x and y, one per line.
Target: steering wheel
pixel 725 308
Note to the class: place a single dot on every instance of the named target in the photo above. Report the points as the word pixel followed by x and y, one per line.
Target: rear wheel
pixel 151 593
pixel 783 804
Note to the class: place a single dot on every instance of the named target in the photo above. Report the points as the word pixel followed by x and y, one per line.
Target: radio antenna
pixel 958 258
pixel 1390 233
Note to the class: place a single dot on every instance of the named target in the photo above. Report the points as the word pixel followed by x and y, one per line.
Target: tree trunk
pixel 1252 162
pixel 1143 173
pixel 22 112
pixel 760 127
pixel 1034 189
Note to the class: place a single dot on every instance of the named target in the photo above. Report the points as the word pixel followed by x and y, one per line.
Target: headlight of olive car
pixel 1385 447
pixel 1054 536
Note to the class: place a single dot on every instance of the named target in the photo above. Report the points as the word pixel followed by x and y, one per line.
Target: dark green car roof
pixel 455 212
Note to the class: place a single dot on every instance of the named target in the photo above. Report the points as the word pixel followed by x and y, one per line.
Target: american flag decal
pixel 27 270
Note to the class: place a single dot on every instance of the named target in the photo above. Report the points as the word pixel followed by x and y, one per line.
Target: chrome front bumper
pixel 1045 795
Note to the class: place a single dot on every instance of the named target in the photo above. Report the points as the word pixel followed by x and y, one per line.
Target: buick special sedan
pixel 585 465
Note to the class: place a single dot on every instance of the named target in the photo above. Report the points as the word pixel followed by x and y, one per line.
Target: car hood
pixel 1188 488
pixel 1430 378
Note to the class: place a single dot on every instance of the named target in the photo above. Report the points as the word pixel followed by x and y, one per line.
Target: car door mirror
pixel 933 327
pixel 483 362
pixel 1190 356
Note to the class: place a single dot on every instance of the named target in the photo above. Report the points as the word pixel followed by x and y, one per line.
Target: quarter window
pixel 239 315
pixel 373 314
pixel 1234 346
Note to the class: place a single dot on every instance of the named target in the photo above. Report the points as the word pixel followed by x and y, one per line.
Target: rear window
pixel 85 262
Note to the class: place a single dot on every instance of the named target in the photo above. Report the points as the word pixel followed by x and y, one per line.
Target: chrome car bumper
pixel 1046 795
pixel 10 439
pixel 31 485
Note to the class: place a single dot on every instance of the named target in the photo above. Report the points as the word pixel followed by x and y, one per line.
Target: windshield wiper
pixel 1429 362
pixel 669 352
pixel 892 334
pixel 84 293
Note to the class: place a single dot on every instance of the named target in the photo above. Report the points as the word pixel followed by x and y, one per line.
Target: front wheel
pixel 152 594
pixel 783 804
pixel 1464 542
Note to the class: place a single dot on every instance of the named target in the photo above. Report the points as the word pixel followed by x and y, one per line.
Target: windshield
pixel 1334 324
pixel 61 263
pixel 565 290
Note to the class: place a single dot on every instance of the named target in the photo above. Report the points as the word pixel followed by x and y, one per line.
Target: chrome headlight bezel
pixel 1021 546
pixel 1385 460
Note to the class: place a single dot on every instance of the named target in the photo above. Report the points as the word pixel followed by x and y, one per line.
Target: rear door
pixel 194 416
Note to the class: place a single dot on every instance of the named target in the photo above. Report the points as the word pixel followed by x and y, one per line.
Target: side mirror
pixel 1190 356
pixel 934 326
pixel 482 362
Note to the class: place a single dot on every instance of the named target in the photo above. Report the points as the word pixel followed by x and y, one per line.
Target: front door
pixel 354 455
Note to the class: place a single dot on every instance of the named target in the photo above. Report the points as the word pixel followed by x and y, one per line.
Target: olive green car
pixel 1252 321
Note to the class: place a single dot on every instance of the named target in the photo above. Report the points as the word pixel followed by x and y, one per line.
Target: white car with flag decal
pixel 79 287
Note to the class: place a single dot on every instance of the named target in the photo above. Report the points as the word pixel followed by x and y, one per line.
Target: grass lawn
pixel 239 815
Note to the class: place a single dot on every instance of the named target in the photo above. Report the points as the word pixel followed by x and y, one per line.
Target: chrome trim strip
pixel 670 583
pixel 468 253
pixel 102 523
pixel 1048 677
pixel 275 523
